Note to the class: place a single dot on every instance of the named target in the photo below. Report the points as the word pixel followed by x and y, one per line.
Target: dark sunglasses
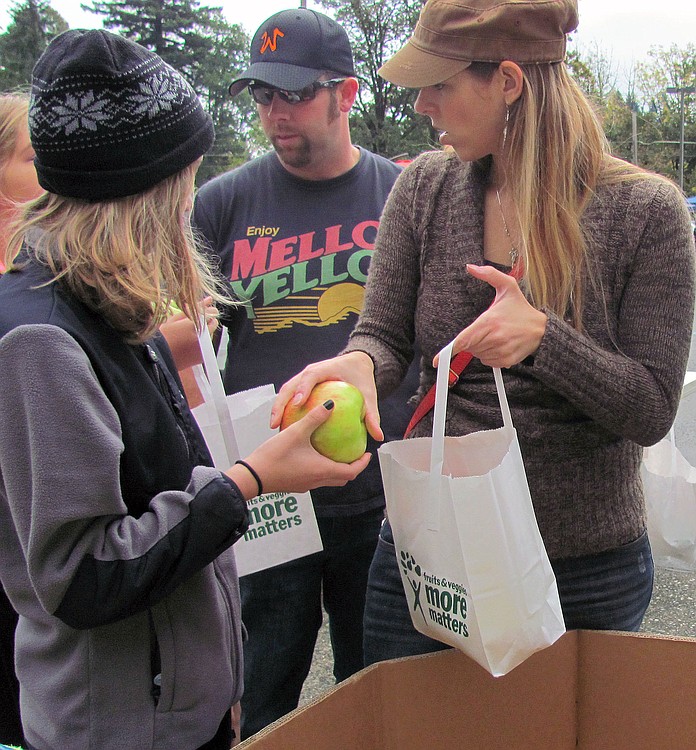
pixel 263 94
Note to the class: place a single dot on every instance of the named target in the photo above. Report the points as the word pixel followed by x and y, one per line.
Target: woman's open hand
pixel 510 330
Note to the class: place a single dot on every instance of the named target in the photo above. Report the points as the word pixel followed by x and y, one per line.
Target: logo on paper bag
pixel 272 514
pixel 444 600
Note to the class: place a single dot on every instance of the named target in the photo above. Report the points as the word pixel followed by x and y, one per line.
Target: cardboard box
pixel 590 690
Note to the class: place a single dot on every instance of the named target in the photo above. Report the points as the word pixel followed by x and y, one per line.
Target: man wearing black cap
pixel 294 231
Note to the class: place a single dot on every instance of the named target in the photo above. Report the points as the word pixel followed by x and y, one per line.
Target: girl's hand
pixel 510 330
pixel 355 368
pixel 287 462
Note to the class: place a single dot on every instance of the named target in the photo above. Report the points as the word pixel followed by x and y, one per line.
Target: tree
pixel 595 71
pixel 174 30
pixel 234 118
pixel 384 119
pixel 33 23
pixel 198 42
pixel 617 118
pixel 668 67
pixel 646 116
pixel 580 70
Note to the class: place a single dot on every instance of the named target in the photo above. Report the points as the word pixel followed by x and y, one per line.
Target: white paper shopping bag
pixel 283 526
pixel 669 483
pixel 472 561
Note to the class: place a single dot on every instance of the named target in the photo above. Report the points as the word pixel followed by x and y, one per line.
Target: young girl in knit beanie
pixel 116 532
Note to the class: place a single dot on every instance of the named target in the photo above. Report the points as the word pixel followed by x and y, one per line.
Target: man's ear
pixel 513 79
pixel 347 91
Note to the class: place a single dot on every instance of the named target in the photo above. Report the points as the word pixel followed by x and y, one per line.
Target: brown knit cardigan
pixel 586 402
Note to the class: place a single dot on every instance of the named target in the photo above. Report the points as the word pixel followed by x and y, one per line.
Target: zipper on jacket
pixel 155 661
pixel 163 384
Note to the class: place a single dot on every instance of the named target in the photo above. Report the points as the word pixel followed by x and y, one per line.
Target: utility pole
pixel 681 92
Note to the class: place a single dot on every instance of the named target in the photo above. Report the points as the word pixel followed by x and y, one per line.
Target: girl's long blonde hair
pixel 14 109
pixel 13 114
pixel 556 155
pixel 130 259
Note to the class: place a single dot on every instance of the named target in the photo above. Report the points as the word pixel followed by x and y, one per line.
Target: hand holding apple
pixel 343 437
pixel 288 462
pixel 355 368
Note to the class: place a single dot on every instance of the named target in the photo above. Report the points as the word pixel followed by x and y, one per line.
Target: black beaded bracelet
pixel 253 474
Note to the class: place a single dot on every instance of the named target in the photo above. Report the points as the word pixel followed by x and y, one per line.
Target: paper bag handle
pixel 437 455
pixel 217 391
pixel 441 390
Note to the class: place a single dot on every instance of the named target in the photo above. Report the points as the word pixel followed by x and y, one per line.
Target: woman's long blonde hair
pixel 556 155
pixel 130 259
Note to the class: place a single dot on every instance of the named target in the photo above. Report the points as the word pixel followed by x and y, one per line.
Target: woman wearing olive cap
pixel 594 337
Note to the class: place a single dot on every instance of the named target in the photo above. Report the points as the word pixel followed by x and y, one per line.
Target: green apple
pixel 343 437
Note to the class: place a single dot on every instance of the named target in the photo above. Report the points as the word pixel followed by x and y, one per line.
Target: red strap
pixel 457 365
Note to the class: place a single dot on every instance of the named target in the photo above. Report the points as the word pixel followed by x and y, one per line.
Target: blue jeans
pixel 282 612
pixel 608 591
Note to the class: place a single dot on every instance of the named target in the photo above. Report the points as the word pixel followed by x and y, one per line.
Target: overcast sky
pixel 624 29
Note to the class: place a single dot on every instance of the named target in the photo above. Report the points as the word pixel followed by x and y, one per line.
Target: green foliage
pixel 644 124
pixel 176 31
pixel 233 118
pixel 580 70
pixel 33 23
pixel 671 67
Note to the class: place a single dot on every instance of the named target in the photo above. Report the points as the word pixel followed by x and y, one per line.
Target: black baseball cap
pixel 292 48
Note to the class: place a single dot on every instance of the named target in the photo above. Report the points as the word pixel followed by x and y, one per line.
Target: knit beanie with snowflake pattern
pixel 108 118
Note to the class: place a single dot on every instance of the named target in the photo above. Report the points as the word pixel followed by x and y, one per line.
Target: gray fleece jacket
pixel 586 402
pixel 129 631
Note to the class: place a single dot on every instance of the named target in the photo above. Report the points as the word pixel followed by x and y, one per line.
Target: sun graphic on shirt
pixel 323 307
pixel 340 300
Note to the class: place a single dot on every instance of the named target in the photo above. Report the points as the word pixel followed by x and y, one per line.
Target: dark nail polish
pixel 328 405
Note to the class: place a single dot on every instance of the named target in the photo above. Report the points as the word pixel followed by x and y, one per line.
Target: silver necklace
pixel 514 254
